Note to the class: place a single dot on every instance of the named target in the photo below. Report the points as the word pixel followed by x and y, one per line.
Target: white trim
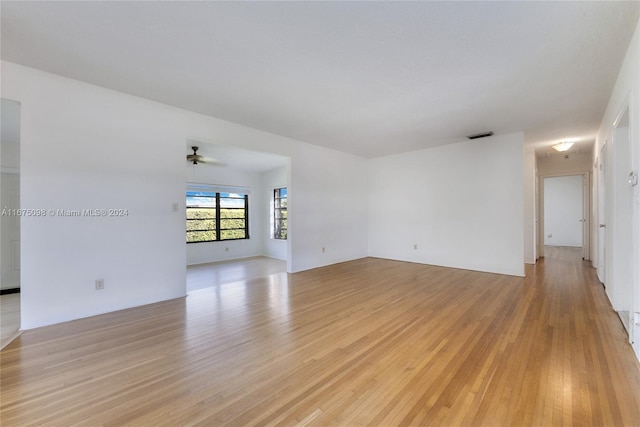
pixel 215 188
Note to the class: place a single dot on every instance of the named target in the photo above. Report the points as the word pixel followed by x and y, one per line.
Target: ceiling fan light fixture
pixel 193 158
pixel 563 146
pixel 196 158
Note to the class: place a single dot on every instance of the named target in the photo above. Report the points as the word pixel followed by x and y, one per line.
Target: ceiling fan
pixel 196 158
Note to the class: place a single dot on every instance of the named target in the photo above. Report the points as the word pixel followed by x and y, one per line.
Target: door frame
pixel 586 211
pixel 603 168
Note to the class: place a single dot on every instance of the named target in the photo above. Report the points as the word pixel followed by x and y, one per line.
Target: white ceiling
pixel 370 78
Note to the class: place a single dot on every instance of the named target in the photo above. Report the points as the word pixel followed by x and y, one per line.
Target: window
pixel 214 216
pixel 280 213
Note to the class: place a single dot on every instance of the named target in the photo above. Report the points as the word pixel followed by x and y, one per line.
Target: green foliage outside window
pixel 216 216
pixel 280 213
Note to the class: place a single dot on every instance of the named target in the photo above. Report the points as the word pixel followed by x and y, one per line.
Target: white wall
pixel 327 207
pixel 84 147
pixel 88 147
pixel 461 204
pixel 199 253
pixel 626 93
pixel 563 211
pixel 277 178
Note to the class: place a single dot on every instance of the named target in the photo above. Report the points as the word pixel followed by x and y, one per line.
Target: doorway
pixel 254 175
pixel 618 210
pixel 9 221
pixel 564 216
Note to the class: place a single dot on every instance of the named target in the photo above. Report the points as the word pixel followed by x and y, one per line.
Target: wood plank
pixel 368 342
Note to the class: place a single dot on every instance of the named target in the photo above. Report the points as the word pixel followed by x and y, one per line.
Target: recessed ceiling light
pixel 563 146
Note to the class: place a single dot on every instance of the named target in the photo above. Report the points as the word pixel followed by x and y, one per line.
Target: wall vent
pixel 480 135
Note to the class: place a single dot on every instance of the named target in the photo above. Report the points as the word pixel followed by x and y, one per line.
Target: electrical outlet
pixel 323 249
pixel 175 206
pixel 415 246
pixel 226 249
pixel 99 284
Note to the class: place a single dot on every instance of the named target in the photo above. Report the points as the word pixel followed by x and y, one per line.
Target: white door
pixel 586 215
pixel 620 263
pixel 602 221
pixel 563 211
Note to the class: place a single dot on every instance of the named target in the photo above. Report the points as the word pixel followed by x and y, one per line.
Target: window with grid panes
pixel 216 216
pixel 280 213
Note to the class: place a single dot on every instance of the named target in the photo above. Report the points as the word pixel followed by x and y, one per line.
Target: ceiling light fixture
pixel 563 146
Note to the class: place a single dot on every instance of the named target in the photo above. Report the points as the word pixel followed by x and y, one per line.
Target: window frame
pixel 219 231
pixel 278 219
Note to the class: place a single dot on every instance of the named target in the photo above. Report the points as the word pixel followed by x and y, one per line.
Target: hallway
pixel 567 253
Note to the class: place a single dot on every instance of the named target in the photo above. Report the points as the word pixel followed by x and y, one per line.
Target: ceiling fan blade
pixel 211 161
pixel 196 159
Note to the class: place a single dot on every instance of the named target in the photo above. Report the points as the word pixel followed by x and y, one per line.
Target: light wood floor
pixel 218 273
pixel 9 318
pixel 563 252
pixel 368 342
pixel 198 277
